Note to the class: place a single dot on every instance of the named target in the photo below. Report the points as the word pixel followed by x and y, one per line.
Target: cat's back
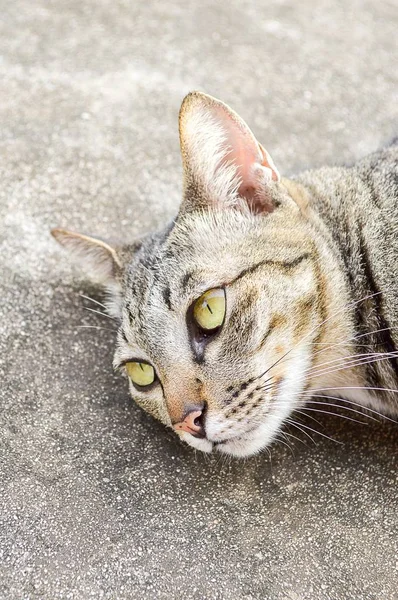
pixel 368 186
pixel 377 231
pixel 379 173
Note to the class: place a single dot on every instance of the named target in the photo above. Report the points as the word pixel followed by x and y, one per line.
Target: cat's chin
pixel 244 446
pixel 202 444
pixel 239 447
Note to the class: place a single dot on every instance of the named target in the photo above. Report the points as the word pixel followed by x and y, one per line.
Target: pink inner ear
pixel 255 165
pixel 256 175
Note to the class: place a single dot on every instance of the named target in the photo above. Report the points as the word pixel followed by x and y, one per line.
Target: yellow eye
pixel 141 374
pixel 209 309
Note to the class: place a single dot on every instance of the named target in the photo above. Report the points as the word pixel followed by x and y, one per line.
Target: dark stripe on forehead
pixel 286 266
pixel 186 279
pixel 150 252
pixel 166 293
pixel 130 314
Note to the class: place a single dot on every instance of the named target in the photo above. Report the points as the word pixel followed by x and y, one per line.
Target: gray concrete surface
pixel 97 500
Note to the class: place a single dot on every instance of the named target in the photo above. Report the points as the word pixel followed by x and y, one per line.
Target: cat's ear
pixel 100 261
pixel 223 162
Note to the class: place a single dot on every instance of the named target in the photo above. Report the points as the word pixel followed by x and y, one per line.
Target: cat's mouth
pixel 239 445
pixel 235 438
pixel 254 436
pixel 245 443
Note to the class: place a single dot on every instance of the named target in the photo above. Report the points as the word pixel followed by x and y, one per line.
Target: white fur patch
pixel 201 444
pixel 290 390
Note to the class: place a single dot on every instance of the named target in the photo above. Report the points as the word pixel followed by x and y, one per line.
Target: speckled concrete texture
pixel 96 499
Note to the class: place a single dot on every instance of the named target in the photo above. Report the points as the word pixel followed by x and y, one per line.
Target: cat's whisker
pixel 326 412
pixel 268 450
pixel 365 408
pixel 297 426
pixel 269 383
pixel 334 414
pixel 92 300
pixel 348 366
pixel 358 412
pixel 268 388
pixel 345 358
pixel 300 412
pixel 354 337
pixel 96 327
pixel 344 308
pixel 322 434
pixel 347 341
pixel 352 365
pixel 294 436
pixel 98 312
pixel 356 387
pixel 277 439
pixel 349 360
pixel 362 346
pixel 349 357
pixel 304 404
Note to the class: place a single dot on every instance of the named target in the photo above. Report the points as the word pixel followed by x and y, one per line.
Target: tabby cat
pixel 264 294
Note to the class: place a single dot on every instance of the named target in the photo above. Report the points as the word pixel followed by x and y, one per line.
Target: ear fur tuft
pixel 204 149
pixel 223 162
pixel 97 257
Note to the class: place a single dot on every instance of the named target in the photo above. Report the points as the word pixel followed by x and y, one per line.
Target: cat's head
pixel 220 310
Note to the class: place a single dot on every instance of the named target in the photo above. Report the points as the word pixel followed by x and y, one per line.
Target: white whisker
pixel 296 410
pixel 328 412
pixel 354 364
pixel 304 403
pixel 95 327
pixel 379 414
pixel 295 424
pixel 356 387
pixel 358 412
pixel 322 434
pixel 294 436
pixel 350 357
pixel 92 300
pixel 98 312
pixel 353 339
pixel 277 439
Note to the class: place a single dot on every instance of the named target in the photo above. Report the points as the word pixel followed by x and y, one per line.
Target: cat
pixel 264 295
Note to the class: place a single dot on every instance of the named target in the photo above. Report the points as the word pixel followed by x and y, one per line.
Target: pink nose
pixel 192 423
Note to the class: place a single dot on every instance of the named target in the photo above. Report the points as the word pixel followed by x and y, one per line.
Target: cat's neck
pixel 336 347
pixel 352 210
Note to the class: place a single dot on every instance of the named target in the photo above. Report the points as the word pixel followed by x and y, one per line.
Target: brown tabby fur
pixel 309 269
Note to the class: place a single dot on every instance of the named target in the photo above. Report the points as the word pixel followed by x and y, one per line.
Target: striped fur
pixel 309 269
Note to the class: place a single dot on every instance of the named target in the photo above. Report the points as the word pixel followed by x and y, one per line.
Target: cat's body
pixel 262 295
pixel 358 207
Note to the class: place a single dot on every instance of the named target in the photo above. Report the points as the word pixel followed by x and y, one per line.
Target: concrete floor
pixel 97 500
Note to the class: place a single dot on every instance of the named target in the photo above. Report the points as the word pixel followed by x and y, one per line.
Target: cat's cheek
pixel 152 405
pixel 198 443
pixel 245 447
